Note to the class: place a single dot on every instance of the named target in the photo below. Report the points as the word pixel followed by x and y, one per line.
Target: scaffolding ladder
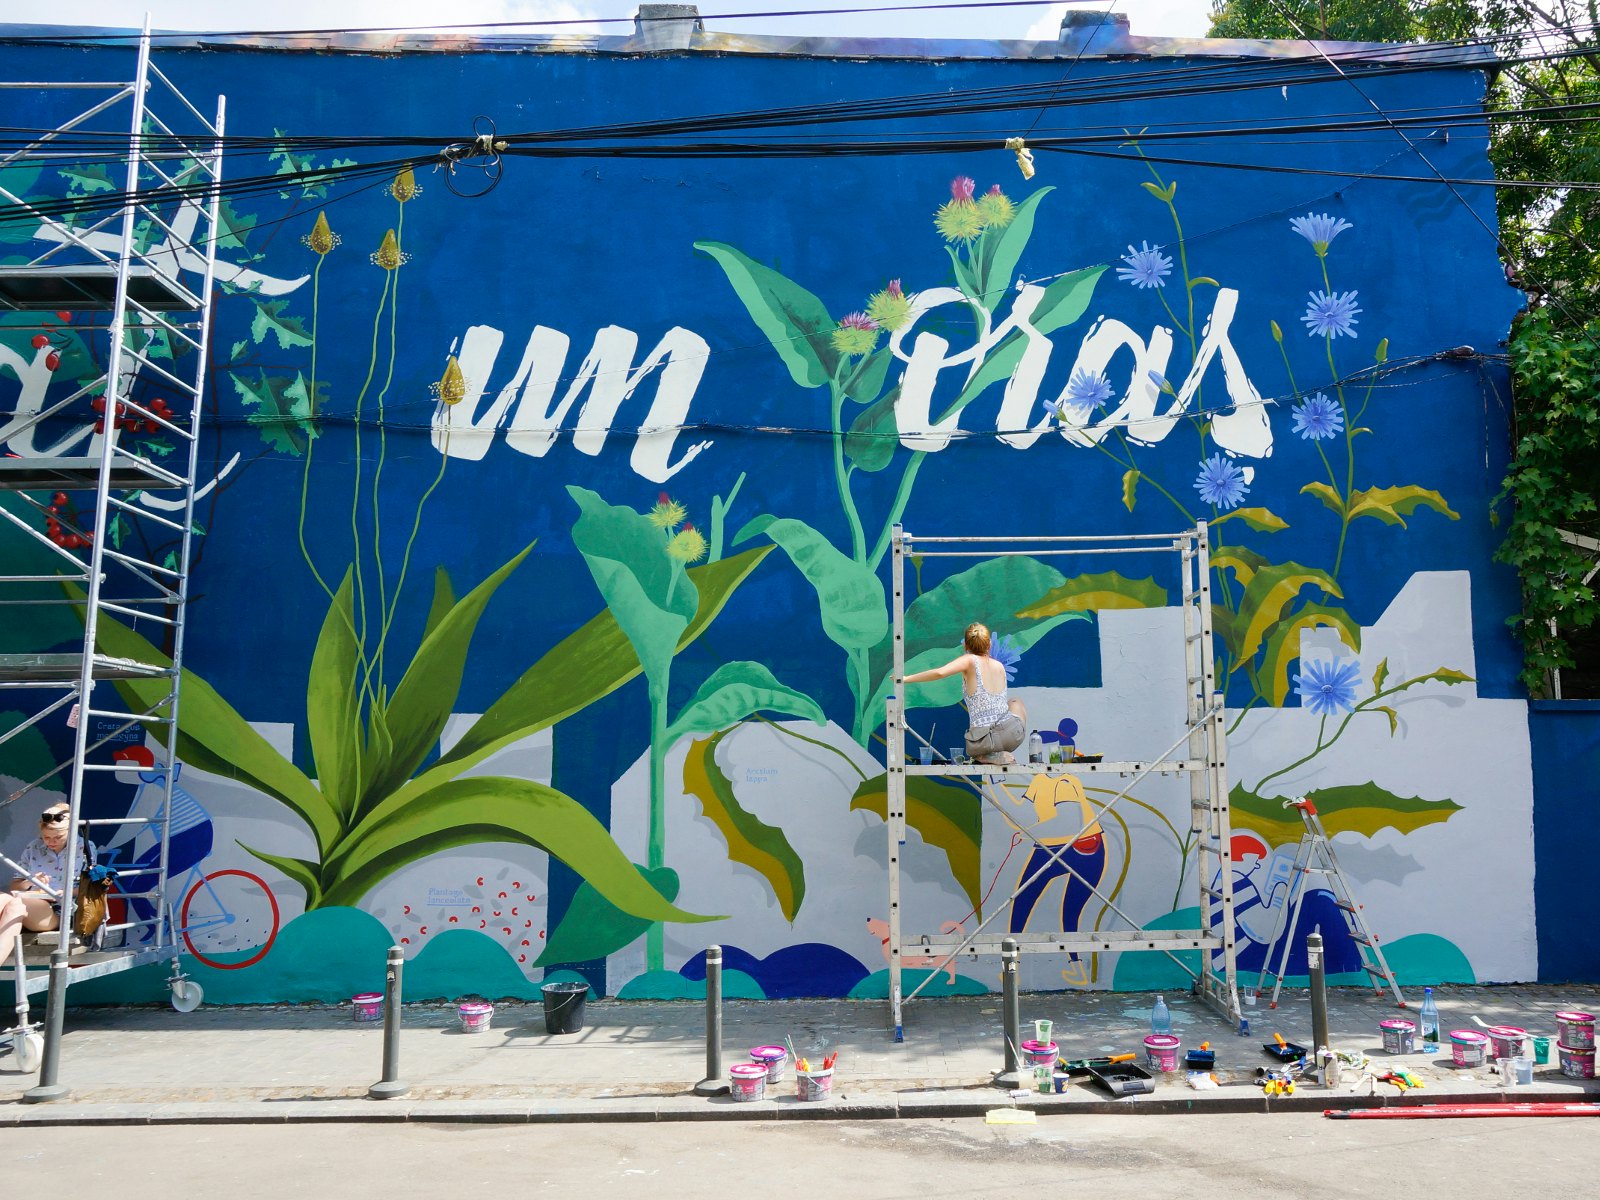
pixel 1315 856
pixel 104 487
pixel 1200 752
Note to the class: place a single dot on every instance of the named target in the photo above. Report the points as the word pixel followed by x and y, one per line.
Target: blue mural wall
pixel 541 590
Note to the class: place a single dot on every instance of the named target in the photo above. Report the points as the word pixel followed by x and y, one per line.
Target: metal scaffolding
pixel 136 283
pixel 1203 747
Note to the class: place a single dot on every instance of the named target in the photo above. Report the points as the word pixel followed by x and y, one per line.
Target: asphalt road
pixel 1196 1157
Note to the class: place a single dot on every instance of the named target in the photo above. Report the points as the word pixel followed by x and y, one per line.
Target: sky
pixel 1152 18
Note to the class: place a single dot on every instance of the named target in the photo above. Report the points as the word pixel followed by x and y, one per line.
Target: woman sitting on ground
pixel 983 686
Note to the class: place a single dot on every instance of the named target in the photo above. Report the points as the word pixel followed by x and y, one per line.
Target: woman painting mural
pixel 996 725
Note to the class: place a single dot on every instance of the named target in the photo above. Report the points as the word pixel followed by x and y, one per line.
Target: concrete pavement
pixel 639 1060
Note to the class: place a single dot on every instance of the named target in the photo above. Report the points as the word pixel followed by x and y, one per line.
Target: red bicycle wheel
pixel 246 879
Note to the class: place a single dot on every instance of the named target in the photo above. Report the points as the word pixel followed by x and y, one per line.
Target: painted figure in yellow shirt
pixel 1068 822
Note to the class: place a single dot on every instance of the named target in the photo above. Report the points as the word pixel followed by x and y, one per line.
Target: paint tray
pixel 1288 1052
pixel 1200 1060
pixel 1123 1079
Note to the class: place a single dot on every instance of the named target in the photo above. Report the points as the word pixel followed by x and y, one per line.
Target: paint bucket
pixel 813 1085
pixel 747 1081
pixel 1468 1047
pixel 1576 1062
pixel 772 1059
pixel 1541 1051
pixel 1161 1052
pixel 368 1006
pixel 1038 1054
pixel 1506 1041
pixel 564 1001
pixel 475 1017
pixel 1575 1030
pixel 1399 1035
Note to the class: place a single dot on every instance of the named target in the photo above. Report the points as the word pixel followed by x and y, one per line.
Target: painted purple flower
pixel 1331 313
pixel 1086 391
pixel 1317 417
pixel 963 187
pixel 1146 266
pixel 857 334
pixel 1008 653
pixel 1319 229
pixel 1328 688
pixel 1221 482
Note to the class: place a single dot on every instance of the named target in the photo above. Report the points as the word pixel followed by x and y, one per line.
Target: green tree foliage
pixel 1549 242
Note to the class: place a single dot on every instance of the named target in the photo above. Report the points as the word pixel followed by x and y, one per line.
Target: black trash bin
pixel 563 1006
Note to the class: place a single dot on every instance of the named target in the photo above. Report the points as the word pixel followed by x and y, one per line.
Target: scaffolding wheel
pixel 28 1049
pixel 186 995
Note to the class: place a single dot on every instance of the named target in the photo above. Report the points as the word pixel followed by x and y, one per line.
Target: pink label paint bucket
pixel 772 1060
pixel 747 1081
pixel 367 1006
pixel 1575 1029
pixel 1576 1063
pixel 1038 1054
pixel 814 1085
pixel 475 1017
pixel 1399 1035
pixel 1161 1052
pixel 1506 1041
pixel 1468 1047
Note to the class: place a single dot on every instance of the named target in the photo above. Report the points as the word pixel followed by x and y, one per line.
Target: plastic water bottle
pixel 1035 747
pixel 1160 1017
pixel 1429 1020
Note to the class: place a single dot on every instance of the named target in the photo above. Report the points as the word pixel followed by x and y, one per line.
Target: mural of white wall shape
pixel 802 788
pixel 1473 877
pixel 532 757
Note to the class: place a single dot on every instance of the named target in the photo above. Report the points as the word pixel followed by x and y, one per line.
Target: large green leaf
pixel 212 736
pixel 593 927
pixel 735 691
pixel 444 599
pixel 1089 593
pixel 948 817
pixel 870 442
pixel 646 589
pixel 1283 646
pixel 1243 561
pixel 1263 519
pixel 999 253
pixel 1392 505
pixel 850 595
pixel 761 847
pixel 298 869
pixel 866 381
pixel 791 318
pixel 486 808
pixel 1349 808
pixel 415 716
pixel 592 661
pixel 1268 595
pixel 1065 300
pixel 333 706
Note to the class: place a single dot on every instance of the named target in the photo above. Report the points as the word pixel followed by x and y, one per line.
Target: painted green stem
pixel 656 851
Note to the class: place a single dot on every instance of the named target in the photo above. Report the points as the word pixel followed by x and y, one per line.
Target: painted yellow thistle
pixel 322 238
pixel 389 256
pixel 958 219
pixel 857 334
pixel 667 514
pixel 996 209
pixel 405 186
pixel 452 385
pixel 687 545
pixel 889 308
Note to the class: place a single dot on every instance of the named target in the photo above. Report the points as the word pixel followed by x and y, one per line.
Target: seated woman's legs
pixel 12 912
pixel 40 915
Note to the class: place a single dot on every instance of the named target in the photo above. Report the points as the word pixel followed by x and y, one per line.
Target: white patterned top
pixel 983 706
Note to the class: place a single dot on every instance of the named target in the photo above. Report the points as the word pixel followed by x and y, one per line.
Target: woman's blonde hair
pixel 976 638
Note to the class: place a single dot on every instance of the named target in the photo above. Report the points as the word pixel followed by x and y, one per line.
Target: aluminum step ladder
pixel 1315 856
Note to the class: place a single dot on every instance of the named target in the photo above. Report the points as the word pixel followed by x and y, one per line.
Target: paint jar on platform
pixel 1577 1062
pixel 1468 1047
pixel 1399 1035
pixel 367 1006
pixel 1575 1030
pixel 747 1081
pixel 475 1017
pixel 772 1058
pixel 1506 1041
pixel 1039 1054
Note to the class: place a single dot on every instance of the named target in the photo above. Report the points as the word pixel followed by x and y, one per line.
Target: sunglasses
pixel 52 818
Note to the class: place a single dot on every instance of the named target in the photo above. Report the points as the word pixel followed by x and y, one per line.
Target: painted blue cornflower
pixel 1328 688
pixel 1086 391
pixel 1319 229
pixel 1146 266
pixel 1331 313
pixel 1318 417
pixel 1221 482
pixel 1008 653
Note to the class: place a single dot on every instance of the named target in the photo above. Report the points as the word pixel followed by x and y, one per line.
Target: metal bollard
pixel 390 1086
pixel 1010 959
pixel 54 1011
pixel 1319 1002
pixel 714 1084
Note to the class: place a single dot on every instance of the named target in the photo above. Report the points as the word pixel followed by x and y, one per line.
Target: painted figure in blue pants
pixel 1068 828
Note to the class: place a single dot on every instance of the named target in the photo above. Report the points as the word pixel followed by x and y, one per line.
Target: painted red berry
pixel 63 315
pixel 59 498
pixel 52 361
pixel 98 404
pixel 100 426
pixel 151 427
pixel 53 510
pixel 41 340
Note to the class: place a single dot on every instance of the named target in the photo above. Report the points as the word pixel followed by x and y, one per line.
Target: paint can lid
pixel 366 998
pixel 476 1009
pixel 1397 1023
pixel 1033 1046
pixel 768 1052
pixel 1506 1031
pixel 1467 1036
pixel 1162 1041
pixel 1579 1018
pixel 747 1070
